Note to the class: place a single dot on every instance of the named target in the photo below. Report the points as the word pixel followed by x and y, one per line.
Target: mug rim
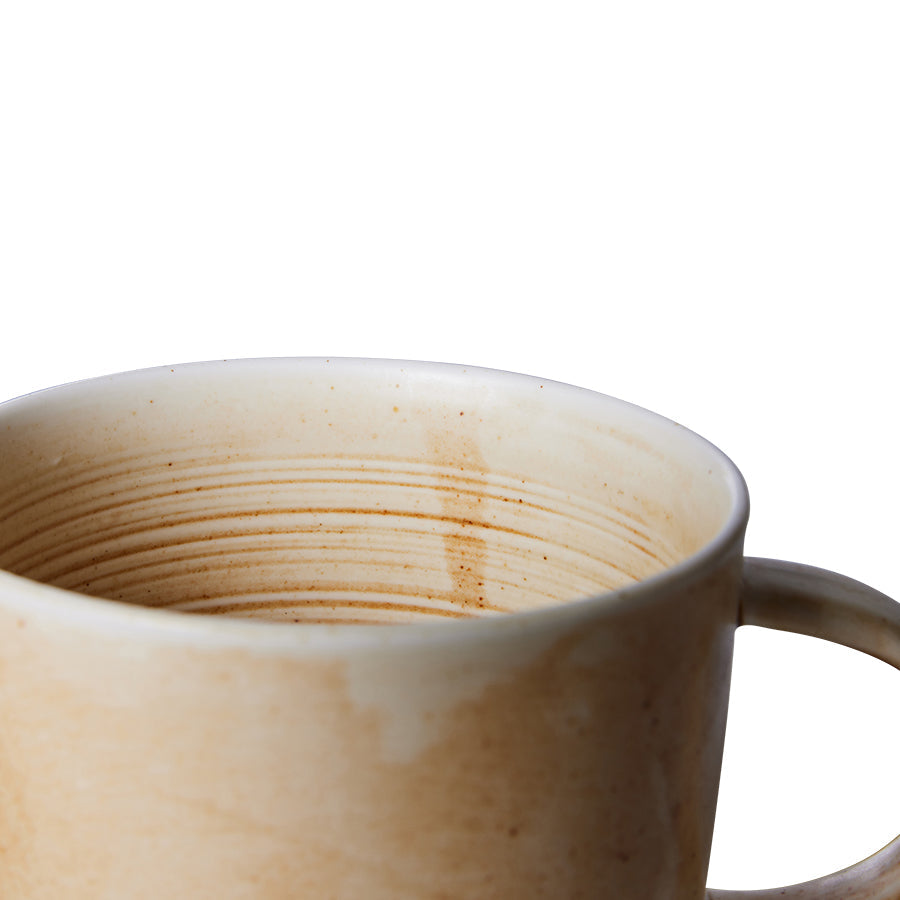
pixel 29 596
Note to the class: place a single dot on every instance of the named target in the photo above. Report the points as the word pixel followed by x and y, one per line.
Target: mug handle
pixel 805 600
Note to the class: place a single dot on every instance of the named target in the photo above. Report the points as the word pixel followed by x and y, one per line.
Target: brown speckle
pixel 464 547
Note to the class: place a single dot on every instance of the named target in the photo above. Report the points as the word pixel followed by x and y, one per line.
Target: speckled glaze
pixel 362 629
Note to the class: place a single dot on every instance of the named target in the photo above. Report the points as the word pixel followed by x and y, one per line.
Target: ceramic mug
pixel 373 629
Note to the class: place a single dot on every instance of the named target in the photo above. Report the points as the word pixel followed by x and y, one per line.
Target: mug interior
pixel 348 491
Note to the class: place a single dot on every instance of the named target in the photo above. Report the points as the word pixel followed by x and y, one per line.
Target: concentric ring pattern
pixel 317 539
pixel 344 491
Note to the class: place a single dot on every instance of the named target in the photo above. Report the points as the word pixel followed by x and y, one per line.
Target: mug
pixel 348 628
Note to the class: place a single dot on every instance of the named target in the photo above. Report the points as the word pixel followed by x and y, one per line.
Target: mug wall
pixel 538 758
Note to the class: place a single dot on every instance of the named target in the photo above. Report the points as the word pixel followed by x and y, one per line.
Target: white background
pixel 694 206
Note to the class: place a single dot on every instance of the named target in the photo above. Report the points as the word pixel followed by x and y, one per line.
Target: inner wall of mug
pixel 347 490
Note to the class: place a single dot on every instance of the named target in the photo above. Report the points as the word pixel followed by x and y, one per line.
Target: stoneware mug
pixel 310 628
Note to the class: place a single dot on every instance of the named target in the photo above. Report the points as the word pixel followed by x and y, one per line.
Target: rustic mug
pixel 373 629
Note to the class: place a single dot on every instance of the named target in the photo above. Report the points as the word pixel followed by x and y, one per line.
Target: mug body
pixel 359 629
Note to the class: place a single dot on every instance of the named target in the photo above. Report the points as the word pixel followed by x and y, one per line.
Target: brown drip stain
pixel 456 450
